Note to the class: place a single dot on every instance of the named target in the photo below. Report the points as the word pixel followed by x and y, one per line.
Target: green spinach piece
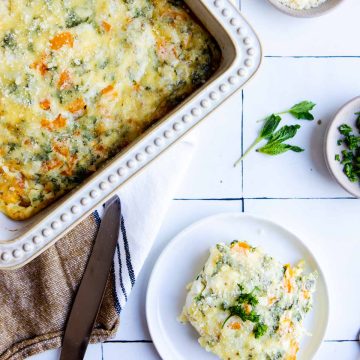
pixel 276 146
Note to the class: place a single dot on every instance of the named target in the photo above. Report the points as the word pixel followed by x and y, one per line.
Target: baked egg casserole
pixel 80 80
pixel 246 305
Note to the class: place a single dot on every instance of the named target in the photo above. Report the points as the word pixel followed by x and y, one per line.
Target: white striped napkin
pixel 144 201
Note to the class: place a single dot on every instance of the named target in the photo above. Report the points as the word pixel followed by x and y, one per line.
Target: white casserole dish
pixel 21 242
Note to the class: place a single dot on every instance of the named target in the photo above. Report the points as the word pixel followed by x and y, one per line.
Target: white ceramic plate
pixel 183 259
pixel 346 115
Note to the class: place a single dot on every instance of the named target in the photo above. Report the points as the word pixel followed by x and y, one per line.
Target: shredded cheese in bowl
pixel 302 4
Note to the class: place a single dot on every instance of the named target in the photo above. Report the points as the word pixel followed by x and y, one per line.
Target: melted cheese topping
pixel 80 80
pixel 246 305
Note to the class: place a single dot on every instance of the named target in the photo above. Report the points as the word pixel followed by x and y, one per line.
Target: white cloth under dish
pixel 144 201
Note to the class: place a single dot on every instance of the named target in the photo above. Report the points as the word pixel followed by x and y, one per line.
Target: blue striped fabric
pixel 122 269
pixel 127 251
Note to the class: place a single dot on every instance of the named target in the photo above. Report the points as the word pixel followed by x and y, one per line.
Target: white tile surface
pixel 338 350
pixel 218 139
pixel 130 351
pixel 282 83
pixel 332 34
pixel 330 229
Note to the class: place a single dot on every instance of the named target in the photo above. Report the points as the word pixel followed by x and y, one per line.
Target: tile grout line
pixel 242 141
pixel 242 151
pixel 151 342
pixel 102 352
pixel 312 56
pixel 341 341
pixel 264 198
pixel 128 342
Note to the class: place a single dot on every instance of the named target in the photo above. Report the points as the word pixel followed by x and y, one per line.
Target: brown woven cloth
pixel 35 300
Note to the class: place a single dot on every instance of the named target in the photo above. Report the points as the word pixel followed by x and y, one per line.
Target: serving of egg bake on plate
pixel 262 296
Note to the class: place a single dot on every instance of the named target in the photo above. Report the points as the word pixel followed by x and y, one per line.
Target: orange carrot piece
pixel 247 308
pixel 59 122
pixel 136 87
pixel 77 105
pixel 244 245
pixel 71 162
pixel 61 149
pixel 288 285
pixel 235 326
pixel 106 26
pixel 46 124
pixel 240 247
pixel 106 90
pixel 45 104
pixel 43 69
pixel 288 276
pixel 40 65
pixel 64 80
pixel 61 40
pixel 52 164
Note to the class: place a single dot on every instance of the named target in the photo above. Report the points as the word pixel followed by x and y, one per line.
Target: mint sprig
pixel 271 123
pixel 275 144
pixel 301 111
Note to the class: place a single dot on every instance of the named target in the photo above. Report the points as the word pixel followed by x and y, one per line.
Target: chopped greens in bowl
pixel 350 156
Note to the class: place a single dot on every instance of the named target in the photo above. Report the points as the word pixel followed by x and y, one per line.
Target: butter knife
pixel 91 290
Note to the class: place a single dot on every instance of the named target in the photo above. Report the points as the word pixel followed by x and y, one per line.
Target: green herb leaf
pixel 350 157
pixel 9 41
pixel 349 172
pixel 275 145
pixel 241 287
pixel 271 124
pixel 345 129
pixel 285 133
pixel 352 141
pixel 278 148
pixel 259 330
pixel 302 110
pixel 347 157
pixel 252 316
pixel 357 123
pixel 238 310
pixel 248 299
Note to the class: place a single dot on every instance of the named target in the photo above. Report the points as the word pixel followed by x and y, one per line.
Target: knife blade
pixel 91 290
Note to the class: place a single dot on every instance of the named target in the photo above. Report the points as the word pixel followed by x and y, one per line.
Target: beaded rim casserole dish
pixel 21 242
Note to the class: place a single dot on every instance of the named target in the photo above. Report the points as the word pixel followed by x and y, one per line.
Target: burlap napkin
pixel 35 300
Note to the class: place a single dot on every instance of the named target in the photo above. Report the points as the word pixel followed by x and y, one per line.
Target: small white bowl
pixel 307 13
pixel 346 115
